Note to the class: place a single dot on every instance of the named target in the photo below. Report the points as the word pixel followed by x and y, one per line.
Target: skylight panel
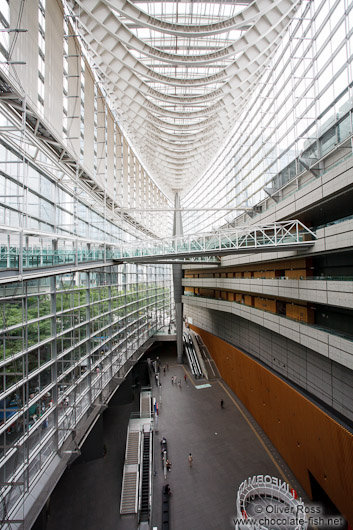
pixel 176 74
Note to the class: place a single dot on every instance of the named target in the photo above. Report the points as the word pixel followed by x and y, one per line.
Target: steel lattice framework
pixel 284 235
pixel 180 73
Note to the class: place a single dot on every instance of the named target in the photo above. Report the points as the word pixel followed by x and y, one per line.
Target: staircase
pixel 145 407
pixel 132 448
pixel 129 491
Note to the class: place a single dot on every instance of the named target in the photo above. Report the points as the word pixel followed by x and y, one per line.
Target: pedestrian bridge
pixel 279 236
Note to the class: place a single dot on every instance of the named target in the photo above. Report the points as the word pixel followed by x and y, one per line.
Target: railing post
pixel 20 254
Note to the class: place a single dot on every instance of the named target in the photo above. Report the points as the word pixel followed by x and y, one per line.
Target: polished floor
pixel 226 444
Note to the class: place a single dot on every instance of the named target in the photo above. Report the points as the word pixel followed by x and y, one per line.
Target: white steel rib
pixel 180 73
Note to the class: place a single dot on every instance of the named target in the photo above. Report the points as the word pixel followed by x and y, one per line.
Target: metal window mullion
pixel 88 336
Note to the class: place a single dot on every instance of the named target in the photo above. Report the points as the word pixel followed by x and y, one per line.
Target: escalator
pixel 145 482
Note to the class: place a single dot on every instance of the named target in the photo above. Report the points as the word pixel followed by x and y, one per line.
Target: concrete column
pixel 126 171
pixel 177 276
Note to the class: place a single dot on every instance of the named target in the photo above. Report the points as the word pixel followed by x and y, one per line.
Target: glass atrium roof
pixel 180 73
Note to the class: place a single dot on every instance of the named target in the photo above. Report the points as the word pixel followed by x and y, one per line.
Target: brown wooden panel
pixel 307 437
pixel 301 263
pixel 300 313
pixel 270 274
pixel 248 300
pixel 296 274
pixel 206 292
pixel 266 304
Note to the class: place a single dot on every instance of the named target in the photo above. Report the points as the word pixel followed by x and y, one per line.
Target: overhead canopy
pixel 180 73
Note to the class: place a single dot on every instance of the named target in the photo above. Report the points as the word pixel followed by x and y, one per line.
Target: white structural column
pixel 110 156
pixel 125 173
pixel 74 93
pixel 177 283
pixel 119 165
pixel 89 121
pixel 53 56
pixel 101 171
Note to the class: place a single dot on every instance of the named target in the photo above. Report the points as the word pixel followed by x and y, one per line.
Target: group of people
pixel 178 382
pixel 156 366
pixel 166 488
pixel 168 463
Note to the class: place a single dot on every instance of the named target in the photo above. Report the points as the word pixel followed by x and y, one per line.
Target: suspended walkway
pixel 279 236
pixel 18 263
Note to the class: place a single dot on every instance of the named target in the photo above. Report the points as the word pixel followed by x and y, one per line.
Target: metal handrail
pixel 272 235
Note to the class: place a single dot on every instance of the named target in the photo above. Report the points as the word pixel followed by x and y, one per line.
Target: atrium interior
pixel 175 170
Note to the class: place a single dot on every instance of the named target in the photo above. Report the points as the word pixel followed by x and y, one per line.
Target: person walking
pixel 179 384
pixel 222 404
pixel 190 460
pixel 185 376
pixel 167 490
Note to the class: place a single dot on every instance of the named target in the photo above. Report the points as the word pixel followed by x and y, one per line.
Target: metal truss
pixel 181 86
pixel 279 236
pixel 188 249
pixel 28 133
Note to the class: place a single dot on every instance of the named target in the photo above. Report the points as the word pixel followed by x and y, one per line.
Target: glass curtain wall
pixel 299 112
pixel 68 328
pixel 63 338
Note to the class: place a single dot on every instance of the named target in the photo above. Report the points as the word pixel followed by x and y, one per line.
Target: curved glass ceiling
pixel 180 73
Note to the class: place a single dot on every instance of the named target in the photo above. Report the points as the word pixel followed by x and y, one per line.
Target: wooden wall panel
pixel 248 299
pixel 307 438
pixel 296 274
pixel 300 313
pixel 276 268
pixel 266 304
pixel 206 292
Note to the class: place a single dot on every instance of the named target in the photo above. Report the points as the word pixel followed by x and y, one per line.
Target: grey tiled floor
pixel 225 448
pixel 226 444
